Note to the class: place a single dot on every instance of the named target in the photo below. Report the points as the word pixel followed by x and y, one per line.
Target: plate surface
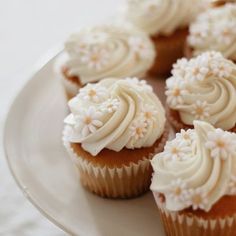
pixel 49 180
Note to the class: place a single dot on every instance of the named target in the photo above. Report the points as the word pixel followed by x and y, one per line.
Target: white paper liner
pixel 177 224
pixel 118 182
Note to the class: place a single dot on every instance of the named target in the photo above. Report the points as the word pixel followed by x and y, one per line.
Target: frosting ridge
pixel 203 172
pixel 115 114
pixel 161 17
pixel 215 29
pixel 204 88
pixel 108 51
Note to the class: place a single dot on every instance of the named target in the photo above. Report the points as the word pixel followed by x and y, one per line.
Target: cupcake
pixel 167 24
pixel 202 88
pixel 194 182
pixel 215 29
pixel 114 129
pixel 104 51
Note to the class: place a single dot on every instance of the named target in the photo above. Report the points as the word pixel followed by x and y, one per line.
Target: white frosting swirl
pixel 115 114
pixel 202 171
pixel 162 17
pixel 108 51
pixel 215 29
pixel 204 88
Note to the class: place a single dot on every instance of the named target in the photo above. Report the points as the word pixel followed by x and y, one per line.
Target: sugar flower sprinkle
pixel 221 144
pixel 94 93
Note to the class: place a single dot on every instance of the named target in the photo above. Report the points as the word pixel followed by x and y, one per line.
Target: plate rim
pixel 43 61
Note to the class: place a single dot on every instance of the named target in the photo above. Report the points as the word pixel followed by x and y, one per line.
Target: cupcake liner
pixel 179 224
pixel 118 182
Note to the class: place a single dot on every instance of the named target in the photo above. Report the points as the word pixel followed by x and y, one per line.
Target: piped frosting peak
pixel 204 88
pixel 108 51
pixel 196 169
pixel 158 17
pixel 215 29
pixel 115 114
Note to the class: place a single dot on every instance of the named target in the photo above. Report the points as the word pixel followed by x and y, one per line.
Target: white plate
pixel 46 175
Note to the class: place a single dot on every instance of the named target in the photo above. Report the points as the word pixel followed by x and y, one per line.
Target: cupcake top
pixel 108 51
pixel 115 114
pixel 215 29
pixel 204 88
pixel 158 17
pixel 196 169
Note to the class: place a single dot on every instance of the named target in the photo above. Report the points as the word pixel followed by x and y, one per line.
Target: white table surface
pixel 28 29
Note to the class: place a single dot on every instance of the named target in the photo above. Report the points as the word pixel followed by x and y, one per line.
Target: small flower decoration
pixel 178 190
pixel 88 121
pixel 208 28
pixel 95 37
pixel 148 112
pixel 198 33
pixel 142 84
pixel 179 68
pixel 221 68
pixel 213 55
pixel 96 58
pixel 176 150
pixel 139 46
pixel 201 110
pixel 197 198
pixel 232 185
pixel 225 32
pixel 221 144
pixel 75 45
pixel 198 68
pixel 138 128
pixel 176 89
pixel 109 106
pixel 93 92
pixel 186 135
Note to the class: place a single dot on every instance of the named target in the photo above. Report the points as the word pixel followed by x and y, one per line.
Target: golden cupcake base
pixel 179 225
pixel 219 221
pixel 124 174
pixel 169 49
pixel 71 84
